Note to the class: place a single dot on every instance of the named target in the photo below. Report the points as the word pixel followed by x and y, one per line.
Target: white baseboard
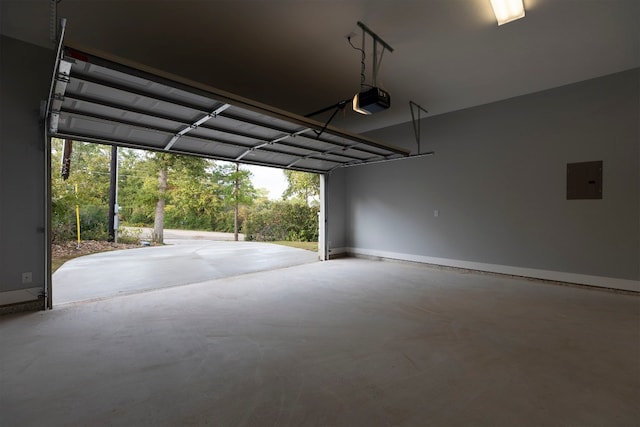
pixel 557 276
pixel 335 252
pixel 20 295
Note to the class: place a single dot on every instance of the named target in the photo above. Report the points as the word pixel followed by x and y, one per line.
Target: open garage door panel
pixel 107 100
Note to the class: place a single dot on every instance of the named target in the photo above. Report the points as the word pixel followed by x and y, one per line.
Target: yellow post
pixel 77 216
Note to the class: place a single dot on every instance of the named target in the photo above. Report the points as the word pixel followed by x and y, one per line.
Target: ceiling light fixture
pixel 507 10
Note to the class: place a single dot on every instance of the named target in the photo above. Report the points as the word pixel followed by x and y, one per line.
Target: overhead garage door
pixel 107 100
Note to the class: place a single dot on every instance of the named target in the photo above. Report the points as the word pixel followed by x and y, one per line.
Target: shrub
pixel 93 223
pixel 282 220
pixel 129 236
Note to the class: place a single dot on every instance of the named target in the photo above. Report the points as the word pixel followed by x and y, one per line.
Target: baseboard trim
pixel 556 276
pixel 337 253
pixel 21 307
pixel 20 295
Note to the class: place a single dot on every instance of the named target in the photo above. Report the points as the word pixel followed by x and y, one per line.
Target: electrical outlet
pixel 27 277
pixel 436 213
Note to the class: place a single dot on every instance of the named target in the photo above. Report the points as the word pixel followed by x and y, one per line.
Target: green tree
pixel 153 188
pixel 163 164
pixel 302 186
pixel 194 200
pixel 135 196
pixel 199 193
pixel 237 191
pixel 89 174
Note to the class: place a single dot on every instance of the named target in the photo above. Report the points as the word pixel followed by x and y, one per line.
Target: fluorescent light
pixel 507 10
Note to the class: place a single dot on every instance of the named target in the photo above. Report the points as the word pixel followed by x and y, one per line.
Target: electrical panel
pixel 584 180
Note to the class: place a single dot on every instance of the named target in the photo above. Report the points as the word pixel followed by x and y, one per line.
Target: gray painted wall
pixel 335 187
pixel 498 181
pixel 25 72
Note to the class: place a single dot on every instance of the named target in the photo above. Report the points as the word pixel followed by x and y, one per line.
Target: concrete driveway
pixel 145 233
pixel 193 258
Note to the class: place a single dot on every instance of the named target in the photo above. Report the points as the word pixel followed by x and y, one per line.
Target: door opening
pixel 204 201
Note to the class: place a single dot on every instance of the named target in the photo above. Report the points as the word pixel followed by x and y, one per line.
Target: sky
pixel 270 178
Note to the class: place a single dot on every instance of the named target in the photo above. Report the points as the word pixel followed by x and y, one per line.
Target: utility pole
pixel 113 195
pixel 236 192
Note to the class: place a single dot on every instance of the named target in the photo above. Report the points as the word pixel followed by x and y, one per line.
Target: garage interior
pixel 476 285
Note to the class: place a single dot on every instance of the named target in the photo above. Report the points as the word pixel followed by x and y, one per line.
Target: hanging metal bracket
pixel 195 125
pixel 375 60
pixel 415 119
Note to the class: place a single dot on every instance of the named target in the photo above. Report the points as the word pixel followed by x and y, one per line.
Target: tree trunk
pixel 158 220
pixel 236 189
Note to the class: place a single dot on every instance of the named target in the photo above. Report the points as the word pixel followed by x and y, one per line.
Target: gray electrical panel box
pixel 584 180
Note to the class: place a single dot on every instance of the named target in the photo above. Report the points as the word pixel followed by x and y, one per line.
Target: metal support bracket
pixel 375 61
pixel 195 125
pixel 339 106
pixel 61 80
pixel 273 141
pixel 415 119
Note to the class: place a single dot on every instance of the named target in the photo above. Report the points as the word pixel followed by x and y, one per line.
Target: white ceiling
pixel 448 54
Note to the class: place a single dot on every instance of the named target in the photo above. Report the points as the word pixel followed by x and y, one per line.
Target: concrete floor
pixel 341 343
pixel 182 261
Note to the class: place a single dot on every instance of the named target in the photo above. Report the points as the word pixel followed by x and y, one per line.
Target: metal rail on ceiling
pixel 170 80
pixel 196 105
pixel 83 77
pixel 169 132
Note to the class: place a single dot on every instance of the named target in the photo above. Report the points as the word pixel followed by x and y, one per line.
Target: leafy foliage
pixel 200 195
pixel 282 220
pixel 87 186
pixel 303 187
